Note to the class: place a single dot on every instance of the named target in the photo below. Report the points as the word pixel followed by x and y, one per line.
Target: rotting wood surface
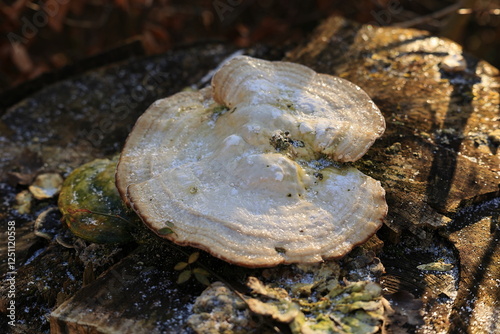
pixel 438 161
pixel 439 157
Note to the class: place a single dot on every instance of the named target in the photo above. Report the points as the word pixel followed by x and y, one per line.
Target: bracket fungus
pixel 250 169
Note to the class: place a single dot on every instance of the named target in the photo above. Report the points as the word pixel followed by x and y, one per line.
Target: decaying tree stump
pixel 58 129
pixel 438 161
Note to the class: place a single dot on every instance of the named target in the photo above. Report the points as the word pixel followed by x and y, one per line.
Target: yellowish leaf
pixel 437 266
pixel 193 257
pixel 180 266
pixel 202 279
pixel 184 276
pixel 201 271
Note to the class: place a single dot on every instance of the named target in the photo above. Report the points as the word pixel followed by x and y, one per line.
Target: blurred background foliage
pixel 38 36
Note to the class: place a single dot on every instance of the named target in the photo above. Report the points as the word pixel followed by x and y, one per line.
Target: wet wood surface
pixel 438 161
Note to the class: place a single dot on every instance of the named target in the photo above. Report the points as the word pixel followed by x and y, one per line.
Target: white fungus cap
pixel 247 169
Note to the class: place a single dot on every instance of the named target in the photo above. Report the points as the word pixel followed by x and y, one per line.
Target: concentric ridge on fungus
pixel 247 169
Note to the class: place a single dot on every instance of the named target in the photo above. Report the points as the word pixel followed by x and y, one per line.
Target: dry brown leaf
pixel 77 6
pixel 14 11
pixel 56 15
pixel 21 58
pixel 124 4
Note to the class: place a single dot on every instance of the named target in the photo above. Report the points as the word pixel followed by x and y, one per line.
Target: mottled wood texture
pixel 438 159
pixel 137 295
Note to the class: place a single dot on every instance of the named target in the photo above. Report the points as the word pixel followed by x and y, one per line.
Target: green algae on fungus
pixel 356 307
pixel 308 299
pixel 92 207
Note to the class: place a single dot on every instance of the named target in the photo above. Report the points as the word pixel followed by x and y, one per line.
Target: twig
pixel 73 211
pixel 85 24
pixel 456 25
pixel 426 18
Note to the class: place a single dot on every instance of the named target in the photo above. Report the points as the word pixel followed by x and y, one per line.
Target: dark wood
pixel 137 295
pixel 438 161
